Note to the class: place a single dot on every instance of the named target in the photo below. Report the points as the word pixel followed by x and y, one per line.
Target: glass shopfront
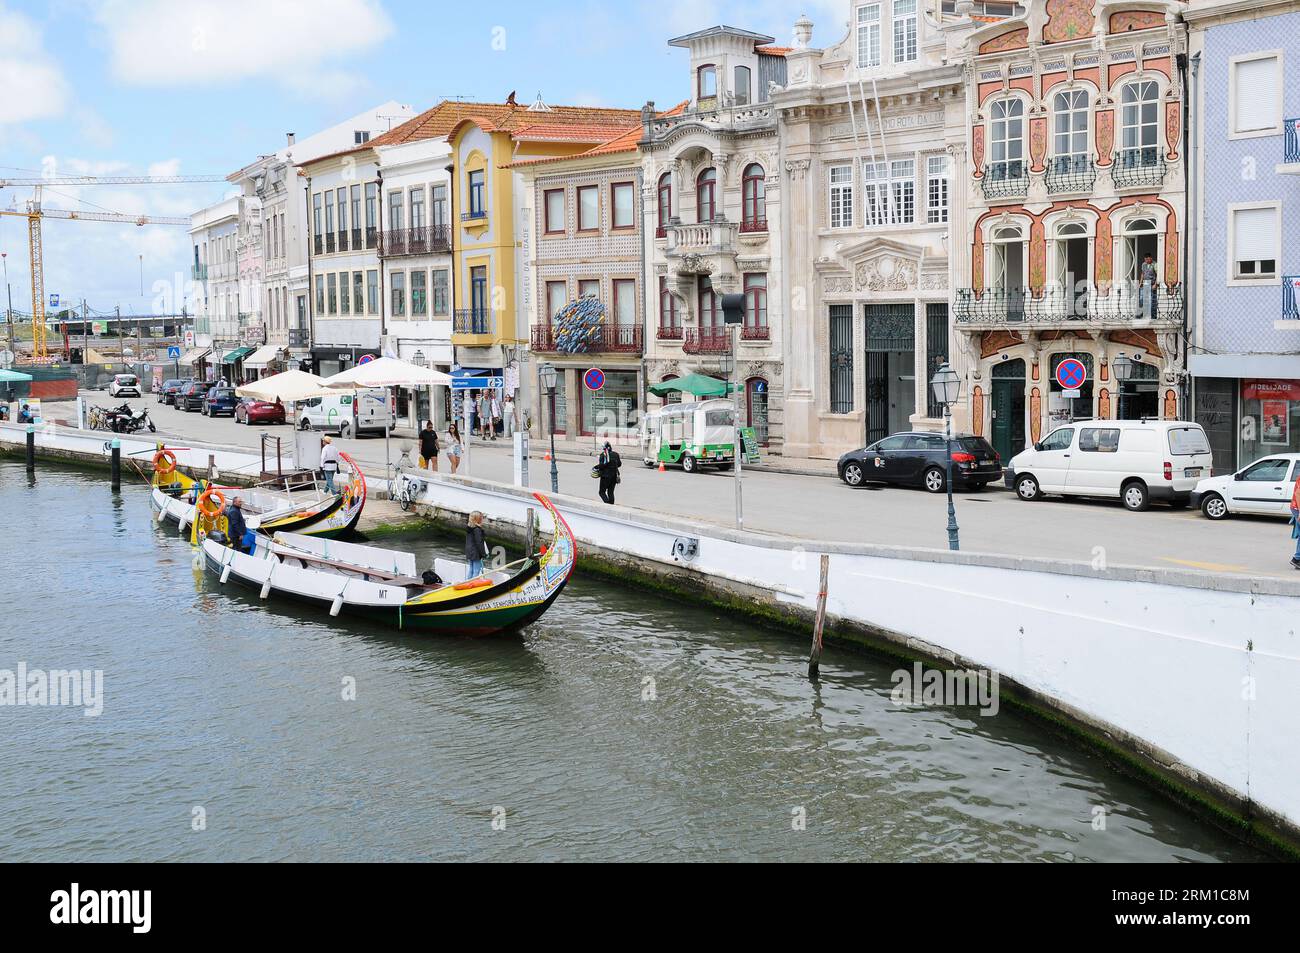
pixel 614 408
pixel 1270 418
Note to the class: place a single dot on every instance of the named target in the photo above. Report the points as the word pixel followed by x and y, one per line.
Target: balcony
pixel 479 215
pixel 475 321
pixel 421 240
pixel 707 238
pixel 1291 148
pixel 199 272
pixel 669 332
pixel 1291 298
pixel 299 337
pixel 1138 168
pixel 372 237
pixel 707 341
pixel 1118 306
pixel 755 333
pixel 1070 174
pixel 318 245
pixel 329 243
pixel 755 226
pixel 602 339
pixel 356 239
pixel 1006 180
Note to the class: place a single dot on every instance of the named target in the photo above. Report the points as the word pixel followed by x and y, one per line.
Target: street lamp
pixel 947 390
pixel 1122 367
pixel 549 375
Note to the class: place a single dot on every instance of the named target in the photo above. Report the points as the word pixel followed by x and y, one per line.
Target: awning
pixel 14 377
pixel 237 354
pixel 264 355
pixel 696 384
pixel 193 355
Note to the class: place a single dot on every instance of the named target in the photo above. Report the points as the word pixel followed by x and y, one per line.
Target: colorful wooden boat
pixel 174 496
pixel 385 585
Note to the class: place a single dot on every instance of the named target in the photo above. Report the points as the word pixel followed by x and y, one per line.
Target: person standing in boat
pixel 475 545
pixel 609 465
pixel 235 525
pixel 429 446
pixel 329 462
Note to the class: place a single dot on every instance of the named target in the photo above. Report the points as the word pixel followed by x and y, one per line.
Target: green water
pixel 620 727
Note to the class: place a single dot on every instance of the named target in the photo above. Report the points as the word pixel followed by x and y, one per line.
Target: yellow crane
pixel 35 212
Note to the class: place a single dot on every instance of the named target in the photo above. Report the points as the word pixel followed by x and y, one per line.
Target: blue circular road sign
pixel 1071 373
pixel 594 379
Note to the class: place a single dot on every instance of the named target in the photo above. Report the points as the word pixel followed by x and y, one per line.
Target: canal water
pixel 620 727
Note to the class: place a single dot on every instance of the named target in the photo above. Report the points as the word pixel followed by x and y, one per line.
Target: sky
pixel 203 87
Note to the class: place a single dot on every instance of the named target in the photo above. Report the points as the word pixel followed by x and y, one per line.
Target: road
pixel 822 508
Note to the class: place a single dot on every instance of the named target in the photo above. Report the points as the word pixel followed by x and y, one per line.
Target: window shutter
pixel 1254 234
pixel 1255 92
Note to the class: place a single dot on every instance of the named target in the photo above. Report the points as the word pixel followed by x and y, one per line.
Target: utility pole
pixel 85 342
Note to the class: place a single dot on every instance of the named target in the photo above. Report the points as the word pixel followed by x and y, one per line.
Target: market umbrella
pixel 387 372
pixel 13 377
pixel 289 387
pixel 696 384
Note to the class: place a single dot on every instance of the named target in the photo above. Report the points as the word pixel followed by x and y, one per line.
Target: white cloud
pixel 31 84
pixel 201 42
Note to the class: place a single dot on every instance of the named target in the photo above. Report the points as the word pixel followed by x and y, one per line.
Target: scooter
pixel 130 422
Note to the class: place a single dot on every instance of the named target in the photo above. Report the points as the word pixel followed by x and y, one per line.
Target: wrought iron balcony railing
pixel 1134 168
pixel 343 240
pixel 707 341
pixel 669 332
pixel 372 236
pixel 421 240
pixel 1291 148
pixel 356 239
pixel 1070 174
pixel 199 272
pixel 1006 179
pixel 753 226
pixel 1122 304
pixel 472 321
pixel 750 332
pixel 1291 297
pixel 318 245
pixel 329 243
pixel 605 339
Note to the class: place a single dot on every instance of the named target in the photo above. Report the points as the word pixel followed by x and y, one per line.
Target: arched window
pixel 742 86
pixel 670 321
pixel 1007 140
pixel 706 190
pixel 1140 127
pixel 665 204
pixel 755 327
pixel 753 216
pixel 1070 138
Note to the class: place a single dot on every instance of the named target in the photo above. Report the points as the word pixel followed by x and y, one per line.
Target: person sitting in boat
pixel 329 462
pixel 235 525
pixel 475 545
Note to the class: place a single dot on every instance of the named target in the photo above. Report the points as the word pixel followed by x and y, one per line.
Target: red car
pixel 259 412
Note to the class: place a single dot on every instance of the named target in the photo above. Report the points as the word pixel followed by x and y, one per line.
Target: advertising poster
pixel 1274 421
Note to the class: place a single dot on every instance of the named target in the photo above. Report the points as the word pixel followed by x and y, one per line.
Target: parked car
pixel 920 459
pixel 167 393
pixel 1264 488
pixel 190 397
pixel 1134 461
pixel 252 411
pixel 347 414
pixel 220 400
pixel 125 385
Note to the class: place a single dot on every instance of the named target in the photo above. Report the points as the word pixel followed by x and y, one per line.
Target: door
pixel 883 461
pixel 1051 464
pixel 1096 468
pixel 926 450
pixel 1263 488
pixel 1009 408
pixel 891 369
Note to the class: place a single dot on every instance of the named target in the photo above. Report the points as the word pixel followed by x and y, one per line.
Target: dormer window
pixel 707 87
pixel 742 86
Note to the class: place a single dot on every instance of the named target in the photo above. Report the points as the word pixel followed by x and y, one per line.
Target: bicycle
pixel 403 490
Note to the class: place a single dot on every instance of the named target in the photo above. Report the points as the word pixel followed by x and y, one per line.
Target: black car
pixel 190 397
pixel 167 393
pixel 920 459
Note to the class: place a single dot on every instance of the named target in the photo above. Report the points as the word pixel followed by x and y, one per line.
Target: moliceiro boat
pixel 386 586
pixel 183 500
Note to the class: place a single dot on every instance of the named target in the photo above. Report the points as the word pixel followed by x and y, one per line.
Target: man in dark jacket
pixel 235 525
pixel 609 465
pixel 429 446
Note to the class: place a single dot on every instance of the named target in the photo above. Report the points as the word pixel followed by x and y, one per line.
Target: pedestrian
pixel 484 414
pixel 235 525
pixel 609 465
pixel 1295 524
pixel 25 414
pixel 454 448
pixel 494 413
pixel 471 411
pixel 329 462
pixel 508 415
pixel 1147 293
pixel 429 446
pixel 475 545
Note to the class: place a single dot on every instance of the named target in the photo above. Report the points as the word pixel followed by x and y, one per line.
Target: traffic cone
pixel 662 468
pixel 546 457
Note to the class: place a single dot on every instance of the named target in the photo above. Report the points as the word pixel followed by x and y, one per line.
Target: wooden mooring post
pixel 815 659
pixel 530 533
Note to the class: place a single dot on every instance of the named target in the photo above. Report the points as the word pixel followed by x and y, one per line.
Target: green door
pixel 1009 408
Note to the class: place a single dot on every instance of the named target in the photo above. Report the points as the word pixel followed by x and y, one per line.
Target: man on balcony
pixel 1147 287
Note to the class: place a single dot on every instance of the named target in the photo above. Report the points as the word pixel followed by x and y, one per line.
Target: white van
pixel 348 415
pixel 1135 461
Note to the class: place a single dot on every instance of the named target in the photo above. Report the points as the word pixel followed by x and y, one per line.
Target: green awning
pixel 237 354
pixel 696 384
pixel 13 377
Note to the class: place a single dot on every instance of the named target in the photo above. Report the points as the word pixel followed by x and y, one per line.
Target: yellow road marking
pixel 1213 567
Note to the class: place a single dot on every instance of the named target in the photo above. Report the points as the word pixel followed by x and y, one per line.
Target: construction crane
pixel 34 214
pixel 112 180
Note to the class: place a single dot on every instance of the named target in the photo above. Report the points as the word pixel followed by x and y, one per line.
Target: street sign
pixel 173 353
pixel 1071 374
pixel 54 301
pixel 477 383
pixel 189 338
pixel 749 441
pixel 1072 394
pixel 365 359
pixel 594 379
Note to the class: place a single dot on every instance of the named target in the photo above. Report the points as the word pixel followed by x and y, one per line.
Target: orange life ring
pixel 164 462
pixel 208 494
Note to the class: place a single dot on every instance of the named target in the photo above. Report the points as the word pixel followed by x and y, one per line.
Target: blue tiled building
pixel 1244 200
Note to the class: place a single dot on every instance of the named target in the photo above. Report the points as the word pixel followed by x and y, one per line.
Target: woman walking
pixel 475 545
pixel 454 448
pixel 429 446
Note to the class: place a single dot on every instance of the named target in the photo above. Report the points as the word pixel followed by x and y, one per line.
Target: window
pixel 331 282
pixel 936 189
pixel 668 316
pixel 372 213
pixel 478 298
pixel 320 294
pixel 1070 135
pixel 440 291
pixel 360 137
pixel 1140 126
pixel 665 202
pixel 439 208
pixel 345 299
pixel 1098 441
pixel 329 215
pixel 588 208
pixel 1266 471
pixel 841 358
pixel 1254 242
pixel 557 297
pixel 841 196
pixel 621 199
pixel 1185 441
pixel 742 86
pixel 417 207
pixel 358 292
pixel 1256 95
pixel 343 215
pixel 397 293
pixel 904 31
pixel 1059 439
pixel 1007 139
pixel 318 224
pixel 753 214
pixel 706 187
pixel 624 302
pixel 755 304
pixel 395 211
pixel 707 82
pixel 553 204
pixel 710 314
pixel 889 192
pixel 372 291
pixel 419 292
pixel 868 35
pixel 477 199
pixel 356 210
pixel 589 288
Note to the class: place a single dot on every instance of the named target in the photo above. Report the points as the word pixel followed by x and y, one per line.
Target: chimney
pixel 290 138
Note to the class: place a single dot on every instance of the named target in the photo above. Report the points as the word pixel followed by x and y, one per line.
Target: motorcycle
pixel 125 420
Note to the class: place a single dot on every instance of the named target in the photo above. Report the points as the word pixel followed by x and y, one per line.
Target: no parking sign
pixel 1071 373
pixel 594 379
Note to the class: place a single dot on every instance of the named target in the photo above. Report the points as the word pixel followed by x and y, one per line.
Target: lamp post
pixel 947 390
pixel 549 374
pixel 1122 368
